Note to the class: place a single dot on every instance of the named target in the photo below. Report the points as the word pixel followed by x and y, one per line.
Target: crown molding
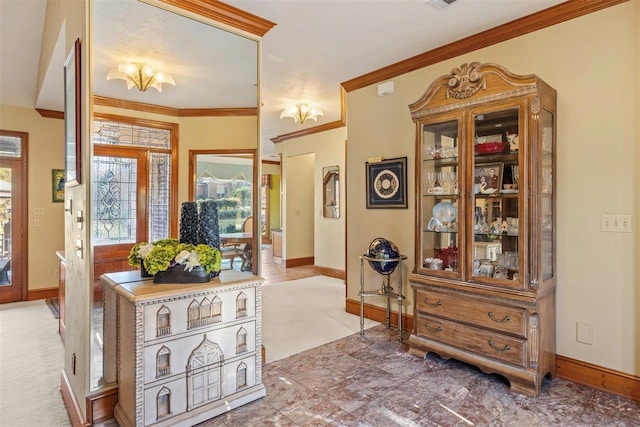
pixel 309 131
pixel 50 114
pixel 225 14
pixel 137 106
pixel 218 112
pixel 530 23
pixel 175 112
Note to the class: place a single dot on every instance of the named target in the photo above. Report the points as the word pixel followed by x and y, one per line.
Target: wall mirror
pixel 230 178
pixel 215 70
pixel 331 192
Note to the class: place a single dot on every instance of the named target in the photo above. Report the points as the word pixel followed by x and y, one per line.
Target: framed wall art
pixel 387 183
pixel 57 185
pixel 72 113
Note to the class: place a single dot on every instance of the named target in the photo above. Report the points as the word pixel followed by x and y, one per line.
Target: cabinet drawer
pixel 497 346
pixel 501 318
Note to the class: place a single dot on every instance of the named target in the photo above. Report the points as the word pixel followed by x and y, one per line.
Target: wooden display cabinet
pixel 484 281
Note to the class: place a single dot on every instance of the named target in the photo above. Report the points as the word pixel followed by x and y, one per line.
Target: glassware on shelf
pixel 453 183
pixel 515 176
pixel 431 177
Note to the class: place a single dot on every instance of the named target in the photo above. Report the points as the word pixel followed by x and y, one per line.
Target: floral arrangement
pixel 166 253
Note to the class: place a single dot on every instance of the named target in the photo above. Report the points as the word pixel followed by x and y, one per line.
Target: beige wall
pixel 593 63
pixel 45 152
pixel 274 196
pixel 327 242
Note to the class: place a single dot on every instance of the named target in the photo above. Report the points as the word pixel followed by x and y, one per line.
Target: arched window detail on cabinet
pixel 216 310
pixel 241 306
pixel 163 362
pixel 194 314
pixel 204 374
pixel 163 321
pixel 241 376
pixel 205 308
pixel 241 341
pixel 163 402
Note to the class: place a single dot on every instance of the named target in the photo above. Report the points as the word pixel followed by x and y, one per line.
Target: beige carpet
pixel 303 314
pixel 31 361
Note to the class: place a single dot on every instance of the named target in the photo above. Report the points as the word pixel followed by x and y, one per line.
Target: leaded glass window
pixel 159 184
pixel 107 132
pixel 10 146
pixel 115 184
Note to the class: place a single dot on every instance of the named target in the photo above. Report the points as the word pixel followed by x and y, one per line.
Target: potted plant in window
pixel 170 261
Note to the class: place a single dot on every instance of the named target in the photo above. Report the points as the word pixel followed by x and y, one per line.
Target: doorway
pixel 13 195
pixel 230 177
pixel 134 185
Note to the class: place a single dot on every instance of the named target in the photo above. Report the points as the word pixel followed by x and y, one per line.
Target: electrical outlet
pixel 584 333
pixel 56 273
pixel 38 211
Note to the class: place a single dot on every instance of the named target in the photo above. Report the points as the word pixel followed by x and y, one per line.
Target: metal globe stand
pixel 386 290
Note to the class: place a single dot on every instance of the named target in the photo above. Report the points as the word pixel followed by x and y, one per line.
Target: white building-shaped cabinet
pixel 184 352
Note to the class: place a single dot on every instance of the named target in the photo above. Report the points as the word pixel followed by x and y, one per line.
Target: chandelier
pixel 301 112
pixel 142 76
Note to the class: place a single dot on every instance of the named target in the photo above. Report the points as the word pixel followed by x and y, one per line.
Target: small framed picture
pixel 57 183
pixel 72 116
pixel 488 177
pixel 387 183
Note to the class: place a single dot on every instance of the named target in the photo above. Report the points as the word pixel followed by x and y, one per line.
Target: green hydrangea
pixel 163 254
pixel 160 258
pixel 209 257
pixel 134 255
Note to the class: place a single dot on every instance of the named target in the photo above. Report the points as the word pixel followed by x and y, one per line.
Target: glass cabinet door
pixel 547 184
pixel 440 175
pixel 496 190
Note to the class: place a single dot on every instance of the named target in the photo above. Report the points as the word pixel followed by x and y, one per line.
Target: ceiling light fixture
pixel 142 76
pixel 301 112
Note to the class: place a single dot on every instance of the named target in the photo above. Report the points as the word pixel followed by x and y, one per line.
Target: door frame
pixel 19 229
pixel 255 194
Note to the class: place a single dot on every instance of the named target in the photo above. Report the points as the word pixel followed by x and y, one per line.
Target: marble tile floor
pixel 374 381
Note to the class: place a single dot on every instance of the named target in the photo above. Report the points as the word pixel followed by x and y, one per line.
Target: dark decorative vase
pixel 189 223
pixel 383 249
pixel 144 272
pixel 208 227
pixel 178 274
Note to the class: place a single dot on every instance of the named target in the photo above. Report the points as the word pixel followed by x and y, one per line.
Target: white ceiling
pixel 316 45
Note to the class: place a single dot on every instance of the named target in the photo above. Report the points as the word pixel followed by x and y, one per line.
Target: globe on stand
pixel 383 249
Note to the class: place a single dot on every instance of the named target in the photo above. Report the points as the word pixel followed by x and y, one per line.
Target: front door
pixel 119 207
pixel 11 245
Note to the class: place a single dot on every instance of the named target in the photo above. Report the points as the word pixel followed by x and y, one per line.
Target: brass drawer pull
pixel 506 318
pixel 439 303
pixel 505 348
pixel 434 330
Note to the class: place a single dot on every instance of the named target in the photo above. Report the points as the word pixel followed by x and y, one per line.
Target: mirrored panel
pixel 157 65
pixel 331 192
pixel 229 180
